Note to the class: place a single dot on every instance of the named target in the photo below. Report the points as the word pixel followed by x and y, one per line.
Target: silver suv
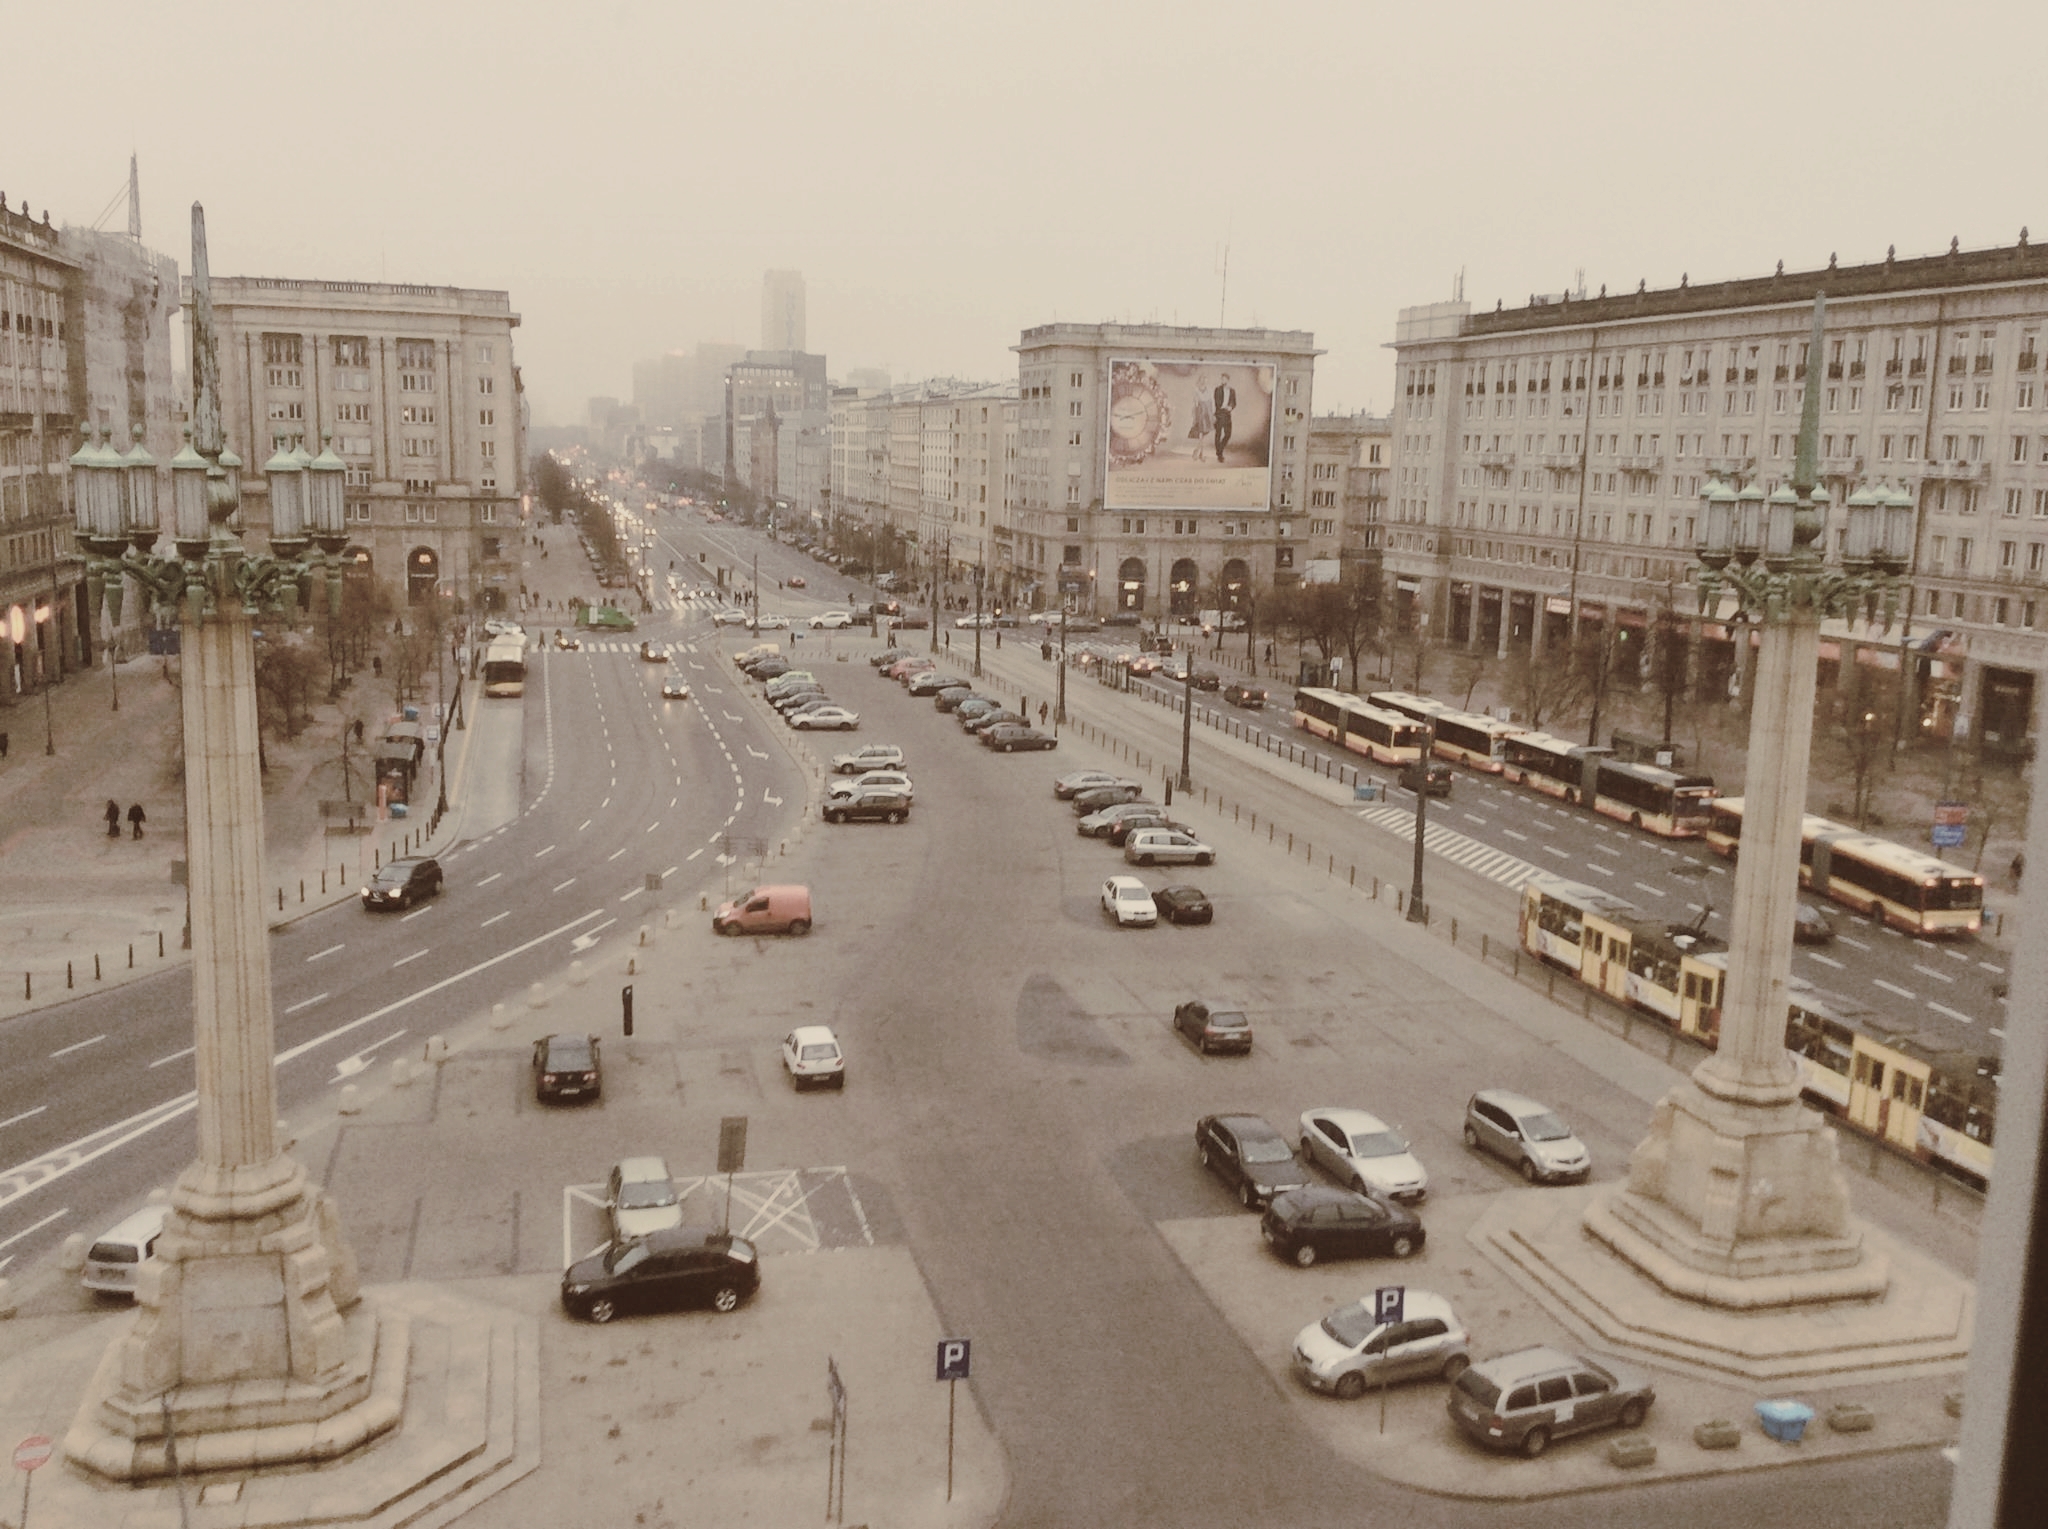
pixel 1525 1399
pixel 1521 1131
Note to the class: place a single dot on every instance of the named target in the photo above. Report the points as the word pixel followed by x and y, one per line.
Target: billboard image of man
pixel 1223 405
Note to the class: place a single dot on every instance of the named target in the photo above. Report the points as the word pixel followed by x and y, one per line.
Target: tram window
pixel 1906 1088
pixel 1692 984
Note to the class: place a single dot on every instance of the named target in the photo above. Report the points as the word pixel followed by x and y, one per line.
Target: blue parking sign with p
pixel 1387 1302
pixel 953 1358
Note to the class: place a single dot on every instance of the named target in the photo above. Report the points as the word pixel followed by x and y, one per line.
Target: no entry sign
pixel 33 1451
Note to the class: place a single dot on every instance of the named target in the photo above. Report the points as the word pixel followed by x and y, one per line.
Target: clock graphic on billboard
pixel 1139 417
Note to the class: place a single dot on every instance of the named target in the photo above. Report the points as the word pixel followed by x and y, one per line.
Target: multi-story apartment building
pixel 1348 462
pixel 415 389
pixel 1161 468
pixel 777 413
pixel 1548 460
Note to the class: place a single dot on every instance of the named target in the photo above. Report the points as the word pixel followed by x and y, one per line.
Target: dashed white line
pixel 407 918
pixel 604 804
pixel 56 1215
pixel 305 1003
pixel 1606 849
pixel 1992 967
pixel 539 852
pixel 583 825
pixel 1956 955
pixel 1552 849
pixel 654 825
pixel 1951 1013
pixel 330 950
pixel 1524 838
pixel 76 1046
pixel 632 894
pixel 561 884
pixel 24 1115
pixel 614 855
pixel 160 1061
pixel 1549 828
pixel 1471 818
pixel 402 960
pixel 1928 971
pixel 494 919
pixel 1643 887
pixel 1892 987
pixel 1600 870
pixel 693 854
pixel 671 870
pixel 1849 939
pixel 1826 961
pixel 484 883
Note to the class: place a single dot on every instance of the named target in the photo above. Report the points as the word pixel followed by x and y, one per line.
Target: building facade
pixel 1348 462
pixel 1548 462
pixel 777 427
pixel 417 388
pixel 782 310
pixel 1161 469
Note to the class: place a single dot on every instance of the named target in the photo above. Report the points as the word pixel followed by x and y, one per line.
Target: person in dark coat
pixel 136 818
pixel 113 819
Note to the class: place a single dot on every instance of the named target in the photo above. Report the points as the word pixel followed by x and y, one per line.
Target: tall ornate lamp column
pixel 1735 1197
pixel 250 1340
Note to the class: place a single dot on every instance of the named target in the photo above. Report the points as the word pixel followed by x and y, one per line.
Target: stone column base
pixel 1749 1275
pixel 241 1425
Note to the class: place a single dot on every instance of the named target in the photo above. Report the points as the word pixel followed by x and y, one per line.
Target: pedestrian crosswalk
pixel 605 645
pixel 1459 849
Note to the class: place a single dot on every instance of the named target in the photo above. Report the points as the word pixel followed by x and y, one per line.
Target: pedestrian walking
pixel 113 819
pixel 2019 867
pixel 136 818
pixel 1041 713
pixel 3 745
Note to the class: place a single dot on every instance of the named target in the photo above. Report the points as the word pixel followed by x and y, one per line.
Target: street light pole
pixel 1187 717
pixel 1418 910
pixel 1059 711
pixel 978 574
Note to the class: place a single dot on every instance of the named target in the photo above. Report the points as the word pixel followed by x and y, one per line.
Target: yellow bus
pixel 505 667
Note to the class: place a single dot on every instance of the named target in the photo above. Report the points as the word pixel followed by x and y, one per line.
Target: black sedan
pixel 1184 905
pixel 567 1067
pixel 403 882
pixel 678 1266
pixel 983 719
pixel 1005 739
pixel 1123 827
pixel 1318 1222
pixel 1098 797
pixel 1249 1156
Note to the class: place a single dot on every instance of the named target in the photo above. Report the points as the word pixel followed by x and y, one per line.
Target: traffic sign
pixel 953 1358
pixel 1387 1302
pixel 834 1386
pixel 1951 824
pixel 33 1451
pixel 732 1143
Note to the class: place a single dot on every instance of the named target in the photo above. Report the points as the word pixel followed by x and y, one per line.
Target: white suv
pixel 887 780
pixel 1129 901
pixel 832 621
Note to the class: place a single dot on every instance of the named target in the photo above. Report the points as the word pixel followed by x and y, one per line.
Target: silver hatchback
pixel 1517 1129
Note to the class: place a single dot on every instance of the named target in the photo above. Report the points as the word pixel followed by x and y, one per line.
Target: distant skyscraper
pixel 782 310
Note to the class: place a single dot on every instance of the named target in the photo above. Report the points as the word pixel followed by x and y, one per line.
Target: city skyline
pixel 1371 185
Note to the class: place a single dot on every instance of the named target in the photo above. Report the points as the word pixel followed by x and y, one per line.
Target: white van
pixel 112 1264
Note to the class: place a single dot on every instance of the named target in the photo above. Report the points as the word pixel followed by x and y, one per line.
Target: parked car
pixel 982 720
pixel 931 681
pixel 908 664
pixel 1154 846
pixel 826 717
pixel 811 1055
pixel 892 780
pixel 118 1254
pixel 1250 697
pixel 403 882
pixel 770 623
pixel 975 706
pixel 683 1266
pixel 1525 1399
pixel 673 689
pixel 1351 1349
pixel 769 668
pixel 868 804
pixel 1099 823
pixel 1305 1226
pixel 1129 901
pixel 1095 798
pixel 1153 817
pixel 1184 905
pixel 567 1067
pixel 1249 1156
pixel 1006 739
pixel 765 910
pixel 1433 778
pixel 1517 1129
pixel 1070 785
pixel 641 1198
pixel 887 656
pixel 1363 1151
pixel 951 696
pixel 1213 1026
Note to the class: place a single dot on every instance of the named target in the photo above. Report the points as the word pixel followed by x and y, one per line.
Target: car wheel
pixel 1202 1156
pixel 1350 1387
pixel 602 1310
pixel 1144 860
pixel 839 1081
pixel 831 817
pixel 1535 1441
pixel 895 817
pixel 720 928
pixel 1401 1247
pixel 1357 1185
pixel 800 926
pixel 1204 859
pixel 1244 1196
pixel 1633 1412
pixel 1455 1366
pixel 727 1299
pixel 1471 1139
pixel 404 901
pixel 1529 1170
pixel 1305 1254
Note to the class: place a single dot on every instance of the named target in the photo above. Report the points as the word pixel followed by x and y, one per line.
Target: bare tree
pixel 1546 685
pixel 1468 671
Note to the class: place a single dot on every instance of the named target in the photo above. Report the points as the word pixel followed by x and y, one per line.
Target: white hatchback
pixel 1129 901
pixel 642 1198
pixel 811 1054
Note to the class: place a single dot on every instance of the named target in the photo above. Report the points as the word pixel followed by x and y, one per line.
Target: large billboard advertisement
pixel 1189 435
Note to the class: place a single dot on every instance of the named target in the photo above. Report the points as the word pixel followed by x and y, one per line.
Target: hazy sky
pixel 946 174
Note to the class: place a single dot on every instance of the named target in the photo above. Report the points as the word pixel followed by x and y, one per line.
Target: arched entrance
pixel 1130 584
pixel 1237 584
pixel 1183 587
pixel 422 573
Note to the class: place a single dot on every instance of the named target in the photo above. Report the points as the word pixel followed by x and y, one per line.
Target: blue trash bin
pixel 411 713
pixel 398 811
pixel 1784 1420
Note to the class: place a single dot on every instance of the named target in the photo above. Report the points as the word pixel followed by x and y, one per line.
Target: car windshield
pixel 1377 1144
pixel 1351 1325
pixel 1228 1019
pixel 1266 1149
pixel 393 876
pixel 624 1256
pixel 1544 1127
pixel 645 1196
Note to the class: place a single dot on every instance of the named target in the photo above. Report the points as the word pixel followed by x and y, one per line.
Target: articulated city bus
pixel 1363 729
pixel 505 667
pixel 1665 802
pixel 1904 887
pixel 1467 737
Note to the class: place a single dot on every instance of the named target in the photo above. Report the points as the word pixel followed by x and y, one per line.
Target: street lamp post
pixel 1418 910
pixel 978 575
pixel 1735 1198
pixel 249 1320
pixel 1059 710
pixel 1187 717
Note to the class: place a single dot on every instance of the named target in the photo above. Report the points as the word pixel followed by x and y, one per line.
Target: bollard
pixel 626 1006
pixel 95 966
pixel 632 966
pixel 7 1306
pixel 1397 899
pixel 302 889
pixel 1454 931
pixel 280 899
pixel 1375 889
pixel 67 974
pixel 323 881
pixel 500 1020
pixel 703 902
pixel 436 1049
pixel 131 955
pixel 71 1252
pixel 577 974
pixel 1290 845
pixel 159 944
pixel 1354 875
pixel 401 1072
pixel 351 1100
pixel 28 986
pixel 536 997
pixel 1482 945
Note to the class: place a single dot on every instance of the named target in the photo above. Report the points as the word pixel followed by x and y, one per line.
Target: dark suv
pixel 1249 1156
pixel 868 804
pixel 403 882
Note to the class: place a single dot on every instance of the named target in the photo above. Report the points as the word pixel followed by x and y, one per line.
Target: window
pixel 487 385
pixel 1073 379
pixel 1283 557
pixel 2014 499
pixel 283 350
pixel 292 410
pixel 1074 524
pixel 486 416
pixel 2008 555
pixel 486 352
pixel 357 511
pixel 1937 553
pixel 1963 550
pixel 487 448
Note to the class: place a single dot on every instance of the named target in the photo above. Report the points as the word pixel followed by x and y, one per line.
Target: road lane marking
pixel 1941 1008
pixel 1606 849
pixel 1991 967
pixel 693 854
pixel 1549 828
pixel 494 919
pixel 1852 940
pixel 407 918
pixel 1956 955
pixel 402 960
pixel 671 870
pixel 26 1178
pixel 348 1066
pixel 305 1003
pixel 1826 961
pixel 172 1057
pixel 24 1115
pixel 484 883
pixel 1470 818
pixel 582 825
pixel 1524 838
pixel 1552 849
pixel 606 802
pixel 76 1046
pixel 654 825
pixel 673 800
pixel 1600 870
pixel 608 859
pixel 755 752
pixel 588 938
pixel 561 884
pixel 632 894
pixel 57 1215
pixel 1892 987
pixel 1642 887
pixel 539 852
pixel 1928 971
pixel 330 950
